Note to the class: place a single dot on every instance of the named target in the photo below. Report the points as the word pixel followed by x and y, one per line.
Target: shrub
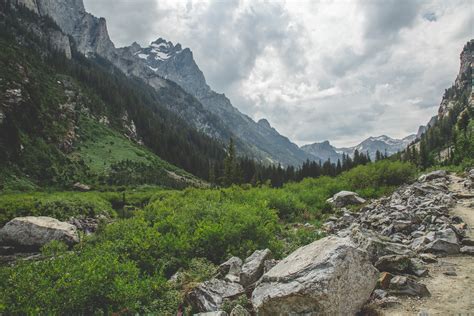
pixel 94 281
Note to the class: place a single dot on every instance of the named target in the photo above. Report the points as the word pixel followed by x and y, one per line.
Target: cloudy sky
pixel 338 70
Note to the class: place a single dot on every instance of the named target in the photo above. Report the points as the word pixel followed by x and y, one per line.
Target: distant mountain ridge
pixel 383 144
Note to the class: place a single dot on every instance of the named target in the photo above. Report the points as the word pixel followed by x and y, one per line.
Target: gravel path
pixel 451 294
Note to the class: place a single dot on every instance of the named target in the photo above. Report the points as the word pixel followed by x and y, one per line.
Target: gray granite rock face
pixel 330 276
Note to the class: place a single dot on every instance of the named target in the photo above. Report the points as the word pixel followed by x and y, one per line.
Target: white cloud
pixel 337 70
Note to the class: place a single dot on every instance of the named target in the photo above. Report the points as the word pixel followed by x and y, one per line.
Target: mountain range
pixel 162 65
pixel 181 88
pixel 383 144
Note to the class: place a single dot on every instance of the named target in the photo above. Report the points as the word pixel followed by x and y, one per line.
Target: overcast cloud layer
pixel 317 70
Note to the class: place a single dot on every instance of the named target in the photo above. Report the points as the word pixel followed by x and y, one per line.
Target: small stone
pixel 394 264
pixel 253 267
pixel 467 242
pixel 384 280
pixel 403 285
pixel 380 294
pixel 467 250
pixel 428 257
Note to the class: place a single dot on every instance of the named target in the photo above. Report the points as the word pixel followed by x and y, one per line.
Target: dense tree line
pixel 239 170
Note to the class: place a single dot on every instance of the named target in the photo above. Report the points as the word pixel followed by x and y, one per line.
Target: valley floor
pixel 450 294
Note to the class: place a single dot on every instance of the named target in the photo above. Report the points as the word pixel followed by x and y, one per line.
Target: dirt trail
pixel 450 294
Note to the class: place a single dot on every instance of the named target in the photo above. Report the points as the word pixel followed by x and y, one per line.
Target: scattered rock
pixel 428 257
pixel 403 285
pixel 81 187
pixel 384 280
pixel 31 233
pixel 395 264
pixel 208 296
pixel 376 245
pixel 433 175
pixel 253 267
pixel 330 276
pixel 450 271
pixel 467 250
pixel 345 198
pixel 443 241
pixel 467 242
pixel 230 270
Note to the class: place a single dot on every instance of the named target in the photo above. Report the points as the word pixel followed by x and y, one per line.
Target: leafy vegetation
pixel 123 267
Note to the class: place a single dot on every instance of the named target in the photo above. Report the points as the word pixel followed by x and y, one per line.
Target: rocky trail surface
pixel 451 279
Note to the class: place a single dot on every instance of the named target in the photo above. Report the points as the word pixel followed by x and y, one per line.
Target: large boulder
pixel 32 232
pixel 253 267
pixel 433 175
pixel 330 276
pixel 345 198
pixel 209 296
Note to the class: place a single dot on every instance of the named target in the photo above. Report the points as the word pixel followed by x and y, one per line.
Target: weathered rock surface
pixel 433 175
pixel 402 285
pixel 395 264
pixel 209 296
pixel 345 198
pixel 443 241
pixel 330 276
pixel 32 232
pixel 253 267
pixel 230 270
pixel 239 311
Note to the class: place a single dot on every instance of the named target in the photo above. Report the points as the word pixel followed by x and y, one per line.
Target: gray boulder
pixel 253 267
pixel 433 175
pixel 81 187
pixel 217 313
pixel 330 276
pixel 443 241
pixel 32 232
pixel 403 285
pixel 230 270
pixel 209 296
pixel 345 198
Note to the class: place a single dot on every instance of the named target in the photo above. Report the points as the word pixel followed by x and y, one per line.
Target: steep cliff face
pixel 462 83
pixel 448 135
pixel 89 32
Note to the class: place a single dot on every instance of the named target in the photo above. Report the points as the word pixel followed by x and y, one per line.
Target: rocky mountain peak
pixel 265 123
